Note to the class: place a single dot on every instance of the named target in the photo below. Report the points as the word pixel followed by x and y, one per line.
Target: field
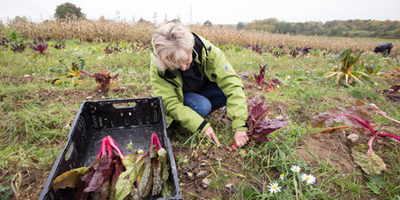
pixel 38 106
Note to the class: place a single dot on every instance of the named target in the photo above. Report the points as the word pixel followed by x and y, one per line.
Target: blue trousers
pixel 211 97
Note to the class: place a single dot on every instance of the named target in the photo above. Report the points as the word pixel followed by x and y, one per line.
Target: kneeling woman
pixel 193 77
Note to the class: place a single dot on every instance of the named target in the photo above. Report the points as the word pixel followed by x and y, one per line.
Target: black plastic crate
pixel 125 120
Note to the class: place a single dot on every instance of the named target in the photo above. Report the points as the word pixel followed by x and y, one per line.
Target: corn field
pixel 123 31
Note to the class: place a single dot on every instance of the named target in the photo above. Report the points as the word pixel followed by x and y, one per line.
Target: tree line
pixel 346 28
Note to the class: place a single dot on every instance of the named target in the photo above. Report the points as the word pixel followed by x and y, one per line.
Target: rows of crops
pixel 118 31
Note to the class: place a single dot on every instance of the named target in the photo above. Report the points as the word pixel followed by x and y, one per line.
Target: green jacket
pixel 213 65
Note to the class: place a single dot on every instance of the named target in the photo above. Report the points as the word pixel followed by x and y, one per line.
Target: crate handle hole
pixel 124 105
pixel 69 152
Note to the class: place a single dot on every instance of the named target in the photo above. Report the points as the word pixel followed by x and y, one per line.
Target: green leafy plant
pixel 397 69
pixel 10 184
pixel 5 186
pixel 65 72
pixel 16 185
pixel 348 60
pixel 69 71
pixel 375 183
pixel 370 70
pixel 13 36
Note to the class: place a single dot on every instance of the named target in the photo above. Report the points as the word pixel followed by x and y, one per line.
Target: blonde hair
pixel 171 42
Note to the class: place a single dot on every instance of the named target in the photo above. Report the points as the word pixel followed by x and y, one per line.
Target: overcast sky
pixel 218 12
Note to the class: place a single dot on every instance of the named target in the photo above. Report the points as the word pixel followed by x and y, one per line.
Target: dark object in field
pixel 383 48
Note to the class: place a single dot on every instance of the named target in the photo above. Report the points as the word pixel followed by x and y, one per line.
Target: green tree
pixel 141 20
pixel 19 19
pixel 207 23
pixel 68 10
pixel 178 20
pixel 240 26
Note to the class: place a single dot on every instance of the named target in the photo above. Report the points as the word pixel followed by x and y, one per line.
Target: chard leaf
pixel 394 89
pixel 395 96
pixel 162 157
pixel 58 71
pixel 70 178
pixel 269 126
pixel 113 182
pixel 372 165
pixel 159 171
pixel 157 182
pixel 103 173
pixel 140 169
pixel 353 116
pixel 129 160
pixel 259 126
pixel 102 192
pixel 125 183
pixel 80 194
pixel 166 186
pixel 153 151
pixel 146 182
pixel 166 190
pixel 245 77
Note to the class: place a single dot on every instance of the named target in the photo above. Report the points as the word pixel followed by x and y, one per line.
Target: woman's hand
pixel 209 132
pixel 241 138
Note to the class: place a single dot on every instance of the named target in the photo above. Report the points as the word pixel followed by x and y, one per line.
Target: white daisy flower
pixel 282 176
pixel 309 178
pixel 295 168
pixel 273 188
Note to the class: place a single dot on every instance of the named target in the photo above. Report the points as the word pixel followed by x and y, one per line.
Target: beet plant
pixel 359 117
pixel 393 93
pixel 260 80
pixel 104 80
pixel 109 49
pixel 40 46
pixel 18 47
pixel 60 44
pixel 4 43
pixel 260 127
